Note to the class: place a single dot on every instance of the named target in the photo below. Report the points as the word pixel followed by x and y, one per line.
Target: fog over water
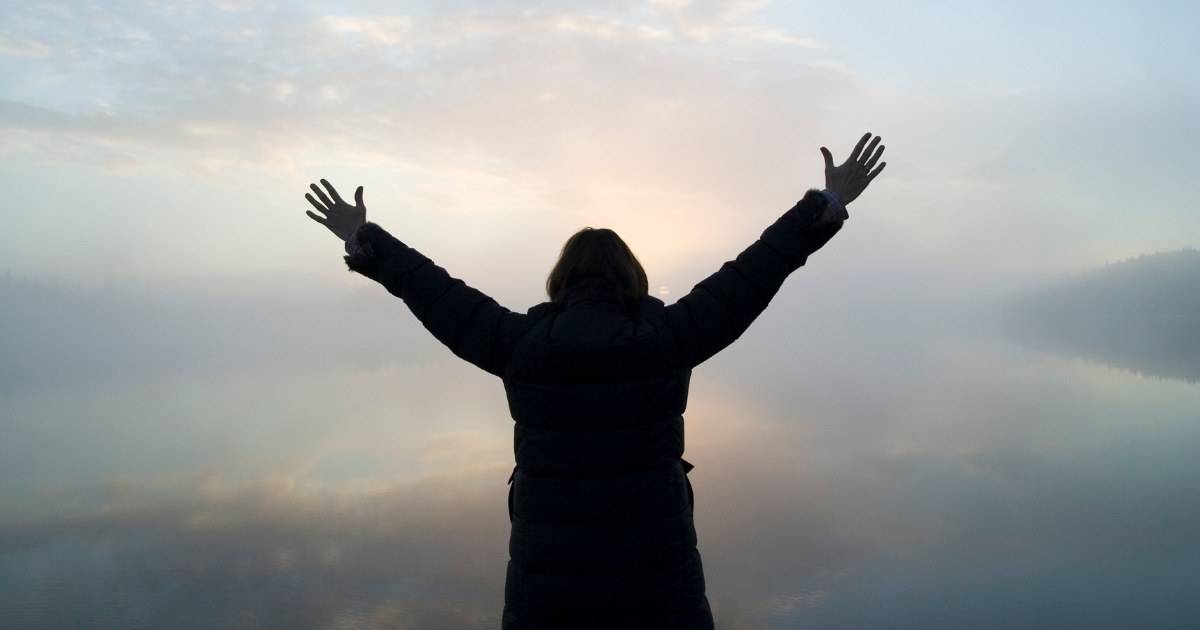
pixel 917 474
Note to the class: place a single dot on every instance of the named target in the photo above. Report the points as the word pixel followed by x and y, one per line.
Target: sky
pixel 192 382
pixel 155 141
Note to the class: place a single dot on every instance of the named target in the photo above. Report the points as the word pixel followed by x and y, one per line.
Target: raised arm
pixel 722 306
pixel 471 324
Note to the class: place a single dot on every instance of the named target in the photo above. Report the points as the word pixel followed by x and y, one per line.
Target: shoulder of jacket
pixel 539 310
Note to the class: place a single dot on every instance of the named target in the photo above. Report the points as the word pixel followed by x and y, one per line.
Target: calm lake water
pixel 917 477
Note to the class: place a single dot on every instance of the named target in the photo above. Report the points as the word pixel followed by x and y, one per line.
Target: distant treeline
pixel 1141 313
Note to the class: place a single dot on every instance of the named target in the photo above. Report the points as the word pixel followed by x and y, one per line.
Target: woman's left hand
pixel 340 217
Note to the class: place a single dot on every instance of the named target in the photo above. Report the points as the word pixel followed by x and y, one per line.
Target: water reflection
pixel 893 480
pixel 271 554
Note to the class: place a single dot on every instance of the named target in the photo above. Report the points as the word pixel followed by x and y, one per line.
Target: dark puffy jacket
pixel 600 503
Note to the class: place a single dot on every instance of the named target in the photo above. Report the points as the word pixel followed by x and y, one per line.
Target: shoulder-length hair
pixel 597 253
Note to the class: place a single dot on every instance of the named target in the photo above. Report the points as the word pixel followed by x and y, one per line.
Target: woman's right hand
pixel 851 178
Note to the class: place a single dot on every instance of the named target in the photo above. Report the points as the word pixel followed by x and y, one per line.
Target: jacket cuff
pixel 807 212
pixel 352 245
pixel 835 210
pixel 380 254
pixel 804 228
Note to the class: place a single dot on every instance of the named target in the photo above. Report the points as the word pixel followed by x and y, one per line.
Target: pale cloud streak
pixel 22 46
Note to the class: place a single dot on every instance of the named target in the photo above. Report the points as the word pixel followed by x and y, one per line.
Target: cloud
pixel 387 30
pixel 235 6
pixel 442 31
pixel 22 46
pixel 714 11
pixel 720 21
pixel 266 110
pixel 566 115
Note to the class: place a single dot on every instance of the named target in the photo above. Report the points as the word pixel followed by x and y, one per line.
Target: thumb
pixel 828 158
pixel 358 197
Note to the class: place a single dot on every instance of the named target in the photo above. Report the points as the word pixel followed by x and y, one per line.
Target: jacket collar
pixel 593 291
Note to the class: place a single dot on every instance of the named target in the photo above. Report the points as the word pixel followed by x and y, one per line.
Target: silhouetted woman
pixel 597 380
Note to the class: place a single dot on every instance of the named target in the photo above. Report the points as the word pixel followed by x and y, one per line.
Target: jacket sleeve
pixel 471 324
pixel 722 306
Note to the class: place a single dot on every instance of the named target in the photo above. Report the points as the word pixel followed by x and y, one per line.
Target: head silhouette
pixel 597 253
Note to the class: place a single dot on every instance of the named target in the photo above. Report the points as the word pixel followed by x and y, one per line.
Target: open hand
pixel 851 178
pixel 340 217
